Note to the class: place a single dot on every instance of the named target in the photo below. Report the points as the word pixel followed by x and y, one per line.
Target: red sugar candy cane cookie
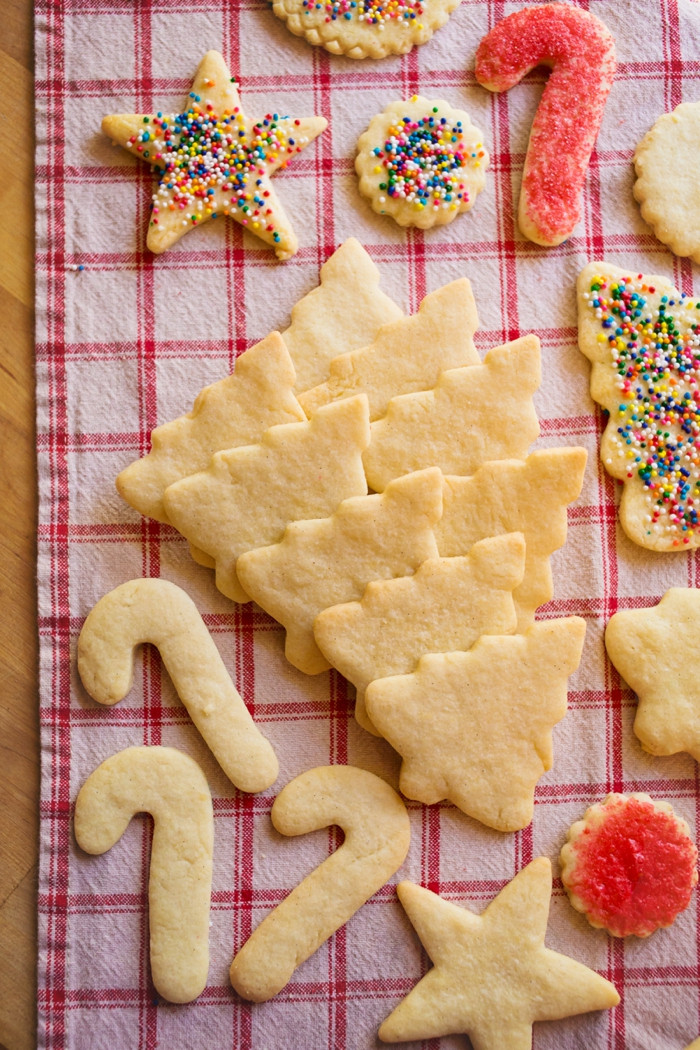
pixel 630 865
pixel 581 53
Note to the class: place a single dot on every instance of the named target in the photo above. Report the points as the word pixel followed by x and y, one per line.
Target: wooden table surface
pixel 19 733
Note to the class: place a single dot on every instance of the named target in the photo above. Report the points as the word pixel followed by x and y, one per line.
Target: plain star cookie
pixel 364 28
pixel 642 338
pixel 667 163
pixel 421 162
pixel 476 727
pixel 492 976
pixel 213 160
pixel 657 652
pixel 630 865
pixel 581 53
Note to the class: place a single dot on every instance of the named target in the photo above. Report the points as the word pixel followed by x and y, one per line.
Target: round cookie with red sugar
pixel 630 865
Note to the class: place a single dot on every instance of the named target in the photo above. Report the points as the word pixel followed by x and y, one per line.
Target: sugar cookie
pixel 492 976
pixel 377 836
pixel 171 787
pixel 236 410
pixel 667 163
pixel 157 611
pixel 345 312
pixel 630 865
pixel 248 495
pixel 476 727
pixel 447 604
pixel 640 335
pixel 407 355
pixel 421 162
pixel 213 160
pixel 364 28
pixel 657 652
pixel 581 53
pixel 472 415
pixel 331 560
pixel 528 496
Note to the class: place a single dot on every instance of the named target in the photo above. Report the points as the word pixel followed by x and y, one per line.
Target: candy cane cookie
pixel 171 787
pixel 581 53
pixel 377 836
pixel 157 611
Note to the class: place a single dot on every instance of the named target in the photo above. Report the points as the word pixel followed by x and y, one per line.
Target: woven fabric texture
pixel 126 342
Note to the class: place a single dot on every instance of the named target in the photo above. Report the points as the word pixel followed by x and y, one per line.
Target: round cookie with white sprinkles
pixel 364 28
pixel 421 162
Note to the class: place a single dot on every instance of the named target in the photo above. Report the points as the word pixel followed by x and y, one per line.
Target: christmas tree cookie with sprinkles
pixel 213 160
pixel 364 28
pixel 421 162
pixel 642 337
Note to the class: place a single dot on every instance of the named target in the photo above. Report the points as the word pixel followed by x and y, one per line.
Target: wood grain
pixel 19 735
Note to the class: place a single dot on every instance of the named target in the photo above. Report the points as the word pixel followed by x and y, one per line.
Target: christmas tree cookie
pixel 642 338
pixel 344 313
pixel 447 604
pixel 247 496
pixel 476 727
pixel 492 976
pixel 528 496
pixel 212 160
pixel 236 410
pixel 473 414
pixel 331 560
pixel 407 355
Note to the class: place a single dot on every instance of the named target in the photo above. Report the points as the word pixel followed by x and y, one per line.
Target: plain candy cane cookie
pixel 377 836
pixel 171 787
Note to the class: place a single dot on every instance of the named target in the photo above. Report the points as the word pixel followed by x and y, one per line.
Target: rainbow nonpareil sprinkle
pixel 371 12
pixel 424 160
pixel 203 155
pixel 654 342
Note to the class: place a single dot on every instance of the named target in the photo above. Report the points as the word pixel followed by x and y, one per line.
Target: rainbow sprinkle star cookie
pixel 421 162
pixel 214 161
pixel 364 28
pixel 642 337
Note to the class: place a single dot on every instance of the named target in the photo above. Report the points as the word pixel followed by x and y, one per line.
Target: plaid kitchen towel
pixel 125 340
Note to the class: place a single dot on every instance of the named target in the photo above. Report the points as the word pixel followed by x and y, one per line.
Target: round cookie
pixel 668 179
pixel 421 162
pixel 630 865
pixel 364 28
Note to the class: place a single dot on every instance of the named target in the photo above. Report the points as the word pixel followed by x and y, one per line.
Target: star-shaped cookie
pixel 213 160
pixel 476 727
pixel 493 976
pixel 657 652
